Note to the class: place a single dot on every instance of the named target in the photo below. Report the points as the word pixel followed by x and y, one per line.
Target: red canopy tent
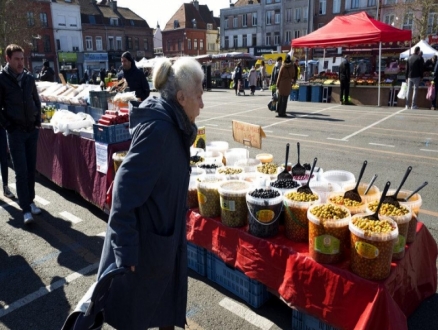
pixel 353 30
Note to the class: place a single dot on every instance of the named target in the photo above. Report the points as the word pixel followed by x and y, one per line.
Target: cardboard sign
pixel 248 134
pixel 61 76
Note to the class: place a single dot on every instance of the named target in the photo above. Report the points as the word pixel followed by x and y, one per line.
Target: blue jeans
pixel 4 156
pixel 23 149
pixel 412 83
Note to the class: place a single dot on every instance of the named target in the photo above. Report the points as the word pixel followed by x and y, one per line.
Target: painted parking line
pixel 41 201
pixel 12 186
pixel 102 234
pixel 9 203
pixel 382 145
pixel 211 125
pixel 268 131
pixel 429 150
pixel 70 217
pixel 47 289
pixel 246 314
pixel 329 138
pixel 297 134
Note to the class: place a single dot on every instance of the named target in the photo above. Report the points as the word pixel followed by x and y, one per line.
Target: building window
pixel 244 40
pixel 297 15
pixel 58 44
pixel 244 19
pixel 254 19
pixel 146 44
pixel 354 4
pixel 276 38
pixel 168 45
pixel 289 15
pixel 389 2
pixel 61 20
pixel 296 34
pixel 72 21
pixel 114 21
pixel 269 17
pixel 211 47
pixel 132 22
pixel 336 6
pixel 234 41
pixel 234 21
pixel 43 20
pixel 268 39
pixel 99 45
pixel 91 19
pixel 226 22
pixel 226 43
pixel 34 45
pixel 305 14
pixel 195 44
pixel 209 26
pixel 389 19
pixel 287 37
pixel 254 40
pixel 277 18
pixel 189 44
pixel 110 43
pixel 136 44
pixel 179 45
pixel 432 23
pixel 201 44
pixel 268 2
pixel 304 32
pixel 88 43
pixel 322 7
pixel 408 21
pixel 371 3
pixel 30 19
pixel 46 43
pixel 119 43
pixel 128 43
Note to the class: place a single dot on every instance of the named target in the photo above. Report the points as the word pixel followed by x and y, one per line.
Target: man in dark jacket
pixel 47 73
pixel 20 115
pixel 276 70
pixel 134 77
pixel 414 74
pixel 344 78
pixel 237 76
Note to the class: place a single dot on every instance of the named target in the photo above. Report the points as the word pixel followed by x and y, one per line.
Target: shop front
pixel 94 62
pixel 67 63
pixel 37 60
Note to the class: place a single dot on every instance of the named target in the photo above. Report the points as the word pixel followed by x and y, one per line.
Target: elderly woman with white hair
pixel 147 224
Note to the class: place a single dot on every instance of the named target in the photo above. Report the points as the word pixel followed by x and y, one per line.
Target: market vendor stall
pixel 331 293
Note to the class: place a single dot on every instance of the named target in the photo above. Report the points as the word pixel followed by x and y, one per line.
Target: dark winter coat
pixel 20 106
pixel 285 77
pixel 136 81
pixel 237 73
pixel 47 74
pixel 414 67
pixel 147 224
pixel 275 72
pixel 344 70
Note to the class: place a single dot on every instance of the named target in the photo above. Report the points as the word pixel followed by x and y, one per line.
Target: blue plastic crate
pixel 304 93
pixel 95 113
pixel 197 258
pixel 294 95
pixel 303 321
pixel 111 134
pixel 316 95
pixel 251 291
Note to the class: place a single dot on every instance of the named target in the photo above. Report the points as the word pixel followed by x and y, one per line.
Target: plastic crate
pixel 251 291
pixel 111 134
pixel 95 113
pixel 303 321
pixel 304 93
pixel 197 258
pixel 99 99
pixel 316 95
pixel 294 95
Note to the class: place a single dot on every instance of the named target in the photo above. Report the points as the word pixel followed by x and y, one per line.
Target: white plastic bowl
pixel 340 177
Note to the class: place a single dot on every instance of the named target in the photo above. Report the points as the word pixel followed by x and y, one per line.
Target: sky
pixel 162 10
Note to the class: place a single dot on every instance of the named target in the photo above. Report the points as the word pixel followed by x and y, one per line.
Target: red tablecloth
pixel 70 162
pixel 331 293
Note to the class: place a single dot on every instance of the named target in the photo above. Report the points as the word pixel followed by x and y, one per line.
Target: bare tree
pixel 19 23
pixel 421 14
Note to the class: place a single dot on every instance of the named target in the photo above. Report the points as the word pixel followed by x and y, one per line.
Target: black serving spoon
pixel 306 188
pixel 353 194
pixel 285 174
pixel 413 193
pixel 375 215
pixel 393 198
pixel 298 169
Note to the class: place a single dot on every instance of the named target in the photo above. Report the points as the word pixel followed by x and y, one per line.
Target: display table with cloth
pixel 70 162
pixel 332 293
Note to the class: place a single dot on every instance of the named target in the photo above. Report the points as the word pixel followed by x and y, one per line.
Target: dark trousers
pixel 23 149
pixel 345 90
pixel 236 83
pixel 282 105
pixel 4 156
pixel 436 91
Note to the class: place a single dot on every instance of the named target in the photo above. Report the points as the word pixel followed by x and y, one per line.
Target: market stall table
pixel 332 293
pixel 70 162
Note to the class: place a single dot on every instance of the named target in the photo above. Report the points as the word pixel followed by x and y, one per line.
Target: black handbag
pixel 272 105
pixel 89 313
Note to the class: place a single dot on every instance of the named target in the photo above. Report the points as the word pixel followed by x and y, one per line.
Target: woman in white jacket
pixel 252 79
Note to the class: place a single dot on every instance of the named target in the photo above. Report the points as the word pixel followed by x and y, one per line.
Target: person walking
pixel 286 77
pixel 4 163
pixel 344 78
pixel 134 77
pixel 47 73
pixel 252 79
pixel 147 229
pixel 414 74
pixel 435 79
pixel 20 116
pixel 237 76
pixel 263 76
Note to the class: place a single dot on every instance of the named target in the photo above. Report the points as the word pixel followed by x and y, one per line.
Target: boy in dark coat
pixel 134 77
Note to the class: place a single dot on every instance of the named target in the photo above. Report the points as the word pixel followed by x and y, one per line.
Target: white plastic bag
pixel 63 121
pixel 403 91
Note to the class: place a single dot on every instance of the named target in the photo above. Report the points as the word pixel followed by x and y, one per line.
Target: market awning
pixel 427 50
pixel 352 30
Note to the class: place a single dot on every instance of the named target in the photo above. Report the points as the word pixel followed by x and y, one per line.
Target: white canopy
pixel 427 50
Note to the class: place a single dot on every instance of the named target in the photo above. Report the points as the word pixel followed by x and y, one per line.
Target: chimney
pixel 196 4
pixel 113 5
pixel 231 4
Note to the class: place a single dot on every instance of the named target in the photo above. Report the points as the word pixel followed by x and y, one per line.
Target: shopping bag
pixel 272 105
pixel 403 90
pixel 430 92
pixel 231 84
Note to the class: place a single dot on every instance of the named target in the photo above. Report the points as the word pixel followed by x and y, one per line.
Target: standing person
pixel 147 230
pixel 286 78
pixel 20 115
pixel 252 79
pixel 237 76
pixel 275 71
pixel 134 77
pixel 263 75
pixel 435 79
pixel 102 75
pixel 414 74
pixel 47 73
pixel 344 78
pixel 4 163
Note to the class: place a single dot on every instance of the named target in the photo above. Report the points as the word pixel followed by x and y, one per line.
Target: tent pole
pixel 380 60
